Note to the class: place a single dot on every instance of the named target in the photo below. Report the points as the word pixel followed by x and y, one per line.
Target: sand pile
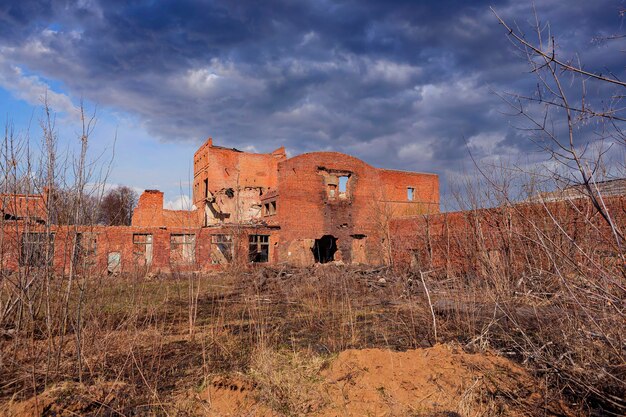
pixel 440 380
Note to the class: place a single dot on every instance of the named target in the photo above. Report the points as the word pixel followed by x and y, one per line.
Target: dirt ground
pixel 320 342
pixel 437 381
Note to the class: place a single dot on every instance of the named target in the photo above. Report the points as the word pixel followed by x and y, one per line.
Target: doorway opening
pixel 324 249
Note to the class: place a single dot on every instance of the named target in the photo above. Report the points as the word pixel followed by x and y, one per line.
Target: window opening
pixel 324 249
pixel 142 249
pixel 37 249
pixel 114 263
pixel 182 249
pixel 343 184
pixel 221 249
pixel 410 192
pixel 86 248
pixel 259 248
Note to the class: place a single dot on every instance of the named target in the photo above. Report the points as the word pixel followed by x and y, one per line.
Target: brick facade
pixel 307 209
pixel 315 207
pixel 99 245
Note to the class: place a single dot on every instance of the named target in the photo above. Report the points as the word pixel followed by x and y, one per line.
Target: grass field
pixel 162 345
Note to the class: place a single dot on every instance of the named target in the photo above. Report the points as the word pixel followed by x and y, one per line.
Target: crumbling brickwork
pixel 336 195
pixel 150 213
pixel 228 183
pixel 27 207
pixel 248 208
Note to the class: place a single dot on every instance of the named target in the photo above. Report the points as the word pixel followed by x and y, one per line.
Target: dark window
pixel 259 248
pixel 269 208
pixel 324 249
pixel 221 249
pixel 37 249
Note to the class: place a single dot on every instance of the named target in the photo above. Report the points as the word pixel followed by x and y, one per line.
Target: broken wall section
pixel 229 184
pixel 324 210
pixel 151 213
pixel 403 193
pixel 233 205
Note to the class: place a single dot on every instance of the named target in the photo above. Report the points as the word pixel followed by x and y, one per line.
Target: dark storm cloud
pixel 402 84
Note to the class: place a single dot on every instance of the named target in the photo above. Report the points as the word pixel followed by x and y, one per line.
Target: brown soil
pixel 73 399
pixel 434 382
pixel 441 380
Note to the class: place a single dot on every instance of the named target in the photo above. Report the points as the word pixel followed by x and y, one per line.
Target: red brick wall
pixel 149 210
pixel 228 168
pixel 305 212
pixel 120 239
pixel 25 206
pixel 394 188
pixel 150 213
pixel 513 236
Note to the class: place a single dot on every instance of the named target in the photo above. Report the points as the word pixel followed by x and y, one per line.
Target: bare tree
pixel 117 205
pixel 576 116
pixel 560 125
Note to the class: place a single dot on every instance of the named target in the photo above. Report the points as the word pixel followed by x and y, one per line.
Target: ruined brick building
pixel 315 207
pixel 248 209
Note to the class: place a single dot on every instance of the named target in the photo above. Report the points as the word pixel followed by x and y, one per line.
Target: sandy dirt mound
pixel 441 381
pixel 437 381
pixel 73 399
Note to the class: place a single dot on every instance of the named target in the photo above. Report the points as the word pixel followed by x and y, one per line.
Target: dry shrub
pixel 71 399
pixel 288 381
pixel 542 283
pixel 224 351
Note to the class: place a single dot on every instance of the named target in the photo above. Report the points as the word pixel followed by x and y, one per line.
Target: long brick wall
pixel 101 244
pixel 512 237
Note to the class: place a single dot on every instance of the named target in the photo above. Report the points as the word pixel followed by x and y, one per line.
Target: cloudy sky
pixel 400 84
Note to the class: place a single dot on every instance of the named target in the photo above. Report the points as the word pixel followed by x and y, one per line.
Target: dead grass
pixel 275 328
pixel 288 381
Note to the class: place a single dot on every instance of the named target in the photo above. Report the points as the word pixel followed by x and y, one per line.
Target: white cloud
pixel 309 37
pixel 32 89
pixel 485 142
pixel 391 72
pixel 202 79
pixel 417 151
pixel 182 202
